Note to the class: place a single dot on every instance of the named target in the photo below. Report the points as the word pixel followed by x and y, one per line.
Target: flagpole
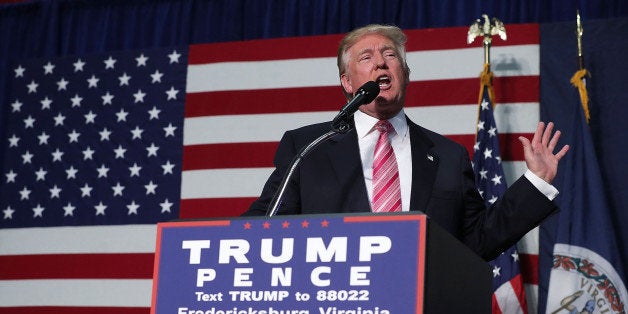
pixel 578 79
pixel 486 29
pixel 579 32
pixel 507 277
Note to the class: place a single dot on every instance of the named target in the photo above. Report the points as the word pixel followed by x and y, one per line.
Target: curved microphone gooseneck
pixel 340 124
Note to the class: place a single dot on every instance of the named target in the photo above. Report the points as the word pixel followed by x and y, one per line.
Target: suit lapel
pixel 344 157
pixel 345 152
pixel 424 166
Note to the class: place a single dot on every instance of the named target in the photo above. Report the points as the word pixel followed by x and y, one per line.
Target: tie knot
pixel 383 126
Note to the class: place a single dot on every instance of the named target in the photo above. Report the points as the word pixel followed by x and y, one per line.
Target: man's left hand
pixel 539 154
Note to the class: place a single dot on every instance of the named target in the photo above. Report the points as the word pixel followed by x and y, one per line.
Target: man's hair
pixel 394 33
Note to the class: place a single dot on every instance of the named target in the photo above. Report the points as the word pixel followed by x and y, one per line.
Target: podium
pixel 328 264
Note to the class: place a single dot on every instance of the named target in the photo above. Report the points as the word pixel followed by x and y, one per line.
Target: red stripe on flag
pixel 214 207
pixel 232 155
pixel 73 310
pixel 265 49
pixel 520 292
pixel 263 101
pixel 516 89
pixel 77 266
pixel 322 46
pixel 496 309
pixel 529 268
pixel 456 37
pixel 510 89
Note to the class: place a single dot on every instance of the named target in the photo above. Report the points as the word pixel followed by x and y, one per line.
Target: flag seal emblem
pixel 595 286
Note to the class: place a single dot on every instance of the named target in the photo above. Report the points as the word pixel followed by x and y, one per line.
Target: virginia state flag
pixel 586 271
pixel 585 275
pixel 586 266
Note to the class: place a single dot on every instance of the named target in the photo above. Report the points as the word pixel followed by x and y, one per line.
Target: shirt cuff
pixel 547 189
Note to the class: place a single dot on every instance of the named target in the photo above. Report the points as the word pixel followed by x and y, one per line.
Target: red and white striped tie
pixel 386 187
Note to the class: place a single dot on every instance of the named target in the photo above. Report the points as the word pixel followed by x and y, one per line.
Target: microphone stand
pixel 338 127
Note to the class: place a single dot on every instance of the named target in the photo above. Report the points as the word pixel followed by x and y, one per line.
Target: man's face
pixel 374 58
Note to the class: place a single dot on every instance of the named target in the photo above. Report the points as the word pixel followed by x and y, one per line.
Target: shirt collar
pixel 364 124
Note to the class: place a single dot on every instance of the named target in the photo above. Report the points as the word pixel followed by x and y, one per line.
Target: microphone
pixel 364 95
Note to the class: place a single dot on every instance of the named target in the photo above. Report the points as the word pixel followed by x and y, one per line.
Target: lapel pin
pixel 430 157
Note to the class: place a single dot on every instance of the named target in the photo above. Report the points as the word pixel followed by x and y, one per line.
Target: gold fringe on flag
pixel 577 80
pixel 486 80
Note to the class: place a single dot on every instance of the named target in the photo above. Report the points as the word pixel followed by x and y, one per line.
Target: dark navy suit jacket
pixel 330 180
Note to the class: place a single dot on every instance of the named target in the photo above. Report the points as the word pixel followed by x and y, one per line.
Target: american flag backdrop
pixel 188 133
pixel 509 294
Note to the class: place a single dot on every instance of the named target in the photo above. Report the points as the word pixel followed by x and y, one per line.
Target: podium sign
pixel 291 264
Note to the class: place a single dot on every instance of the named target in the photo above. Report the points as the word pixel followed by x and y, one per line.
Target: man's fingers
pixel 554 141
pixel 562 152
pixel 526 143
pixel 538 134
pixel 547 133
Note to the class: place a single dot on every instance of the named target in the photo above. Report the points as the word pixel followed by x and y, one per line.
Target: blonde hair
pixel 394 33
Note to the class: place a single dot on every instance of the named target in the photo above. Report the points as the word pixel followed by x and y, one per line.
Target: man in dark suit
pixel 434 173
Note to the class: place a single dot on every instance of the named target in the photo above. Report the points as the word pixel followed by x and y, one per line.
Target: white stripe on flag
pixel 453 119
pixel 63 240
pixel 314 72
pixel 219 183
pixel 83 292
pixel 507 299
pixel 463 63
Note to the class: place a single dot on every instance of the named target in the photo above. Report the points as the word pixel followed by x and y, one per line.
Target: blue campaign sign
pixel 367 264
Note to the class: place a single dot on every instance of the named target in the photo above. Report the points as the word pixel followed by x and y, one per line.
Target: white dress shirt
pixel 400 141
